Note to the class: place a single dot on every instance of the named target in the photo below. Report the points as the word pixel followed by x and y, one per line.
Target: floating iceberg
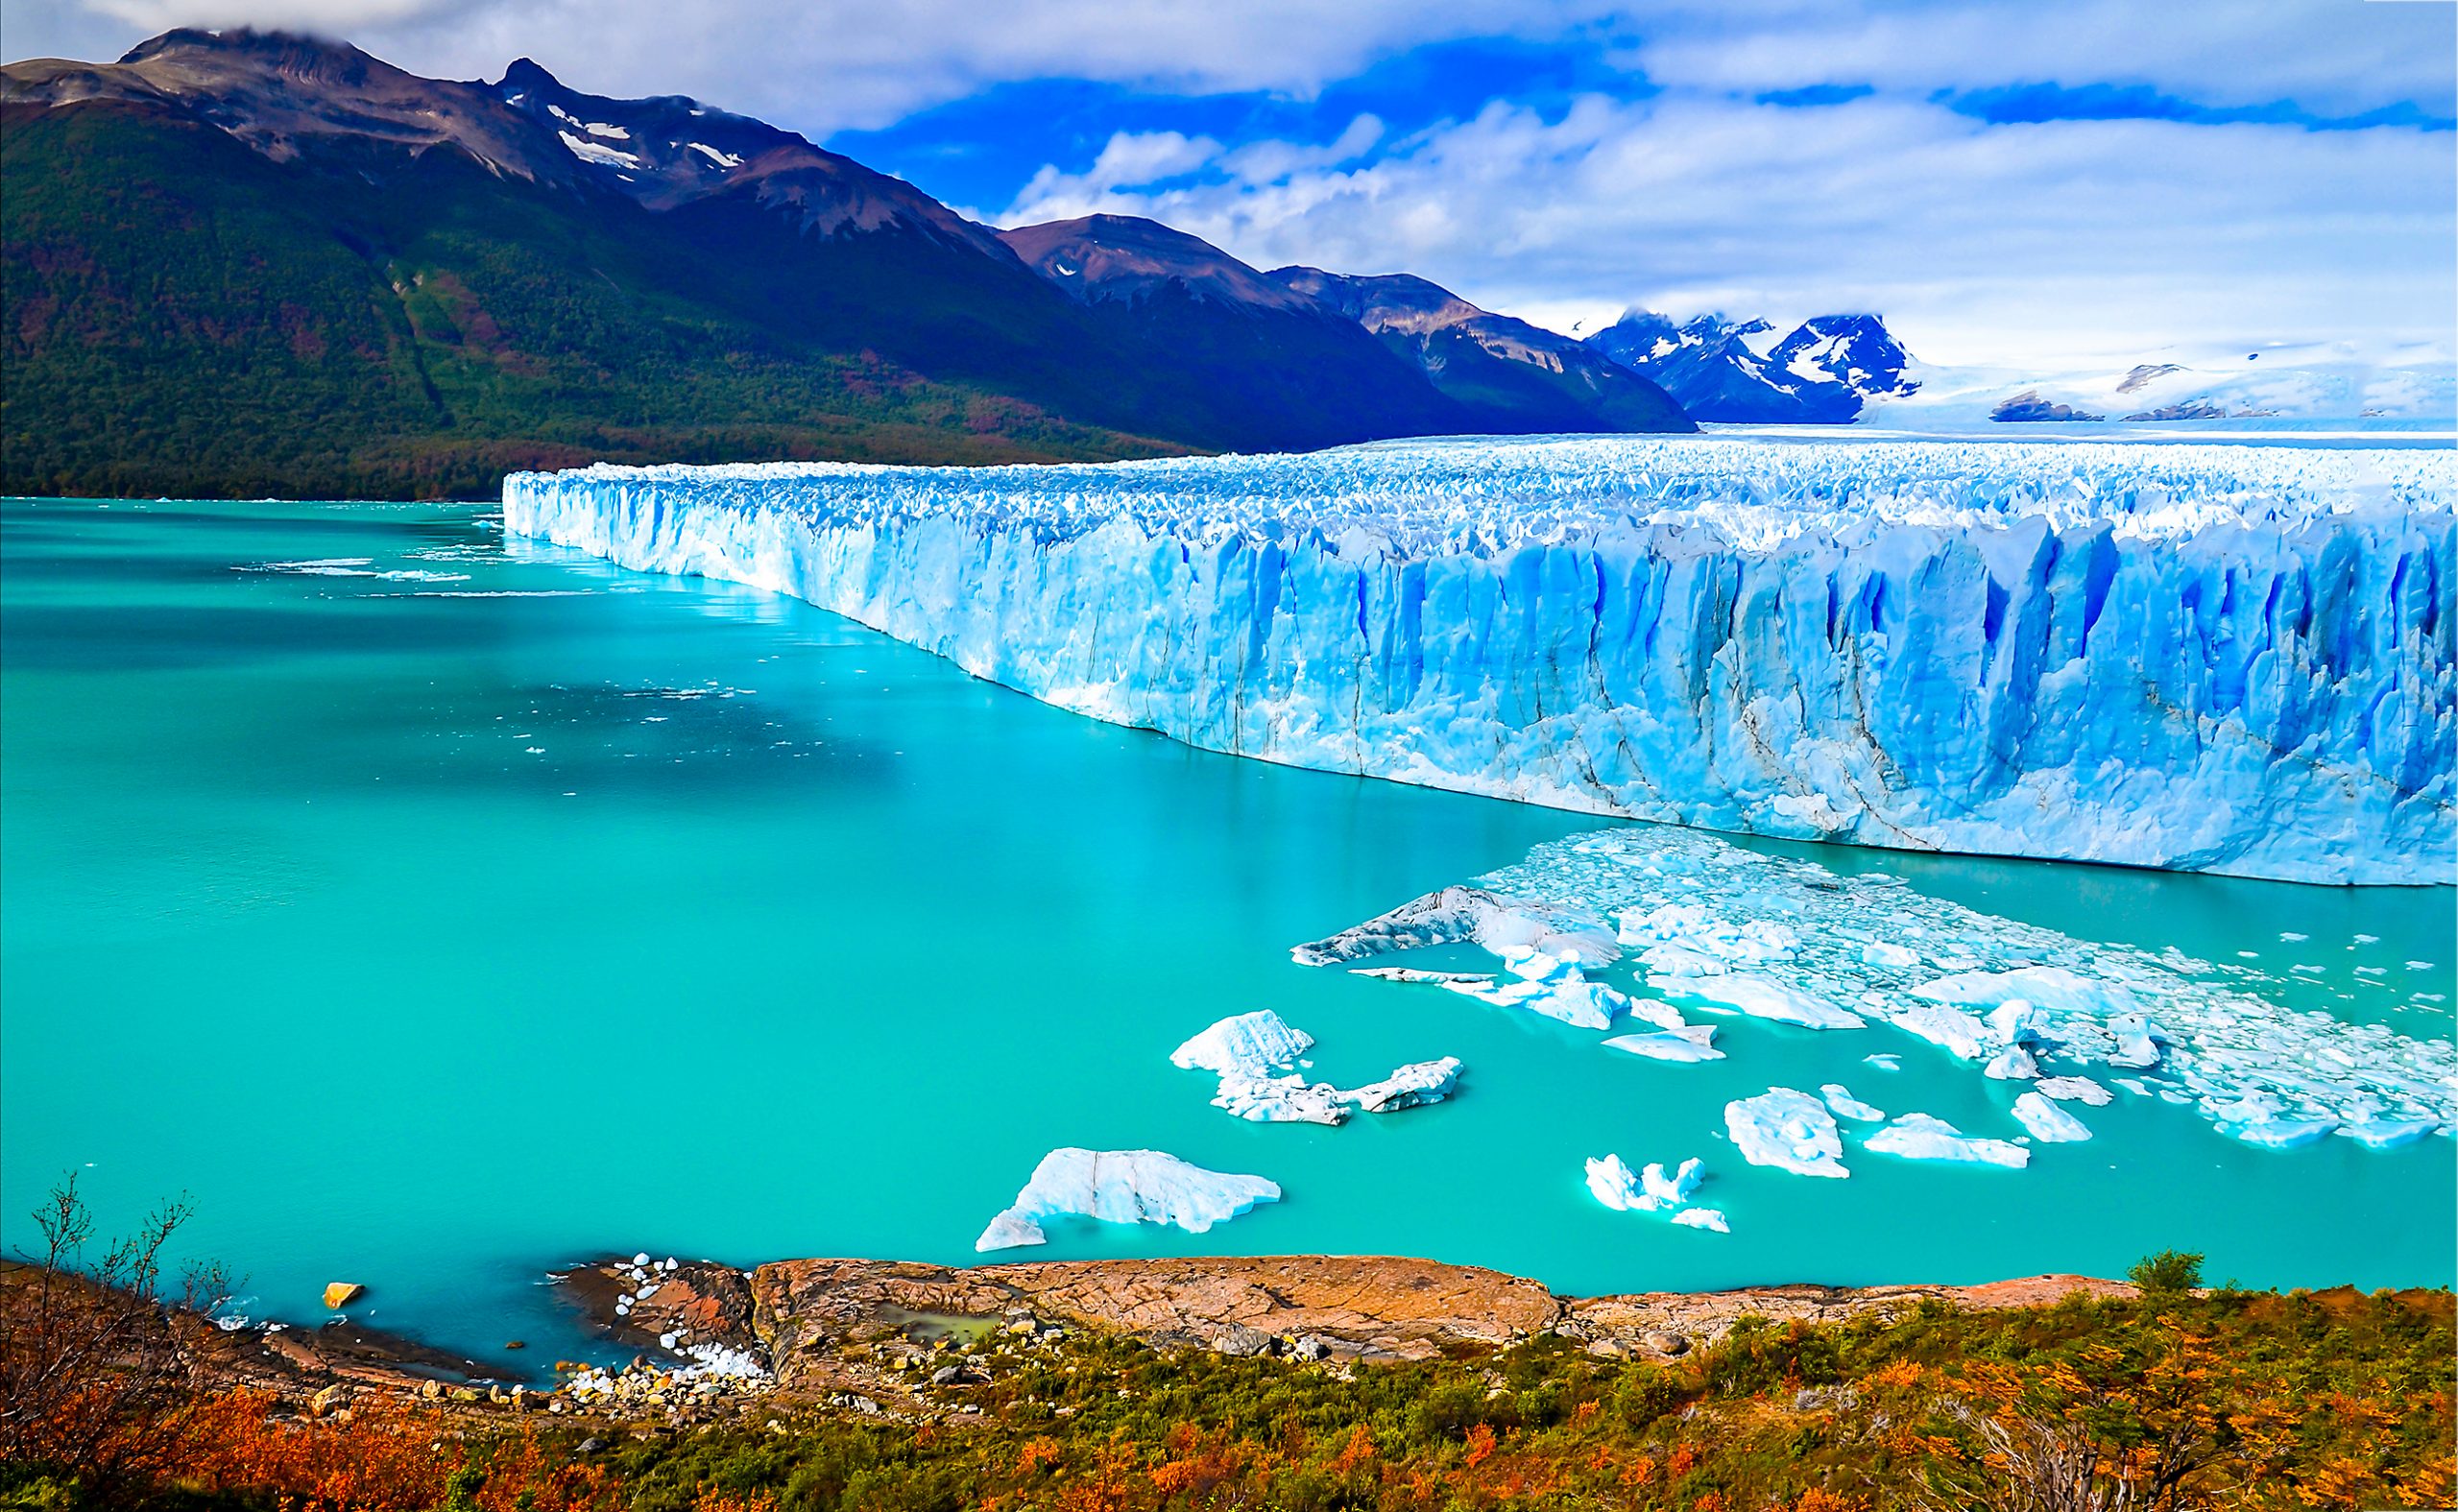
pixel 1762 997
pixel 2220 658
pixel 1918 1136
pixel 1672 1192
pixel 1248 1045
pixel 1552 986
pixel 1122 1187
pixel 2209 1042
pixel 1702 1218
pixel 1691 1042
pixel 1409 1087
pixel 1461 914
pixel 1281 1099
pixel 2074 1089
pixel 1651 1191
pixel 2049 1123
pixel 1848 1106
pixel 1615 1184
pixel 1789 1130
pixel 1245 1051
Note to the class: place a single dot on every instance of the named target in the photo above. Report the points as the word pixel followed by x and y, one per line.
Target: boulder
pixel 341 1294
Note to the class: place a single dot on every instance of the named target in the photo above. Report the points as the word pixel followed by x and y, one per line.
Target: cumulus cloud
pixel 822 65
pixel 2088 239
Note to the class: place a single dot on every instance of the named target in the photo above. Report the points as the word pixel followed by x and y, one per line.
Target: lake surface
pixel 434 912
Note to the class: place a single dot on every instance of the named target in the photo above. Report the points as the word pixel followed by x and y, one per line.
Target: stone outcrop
pixel 804 1316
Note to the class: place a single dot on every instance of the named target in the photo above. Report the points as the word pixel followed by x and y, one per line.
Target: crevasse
pixel 2235 658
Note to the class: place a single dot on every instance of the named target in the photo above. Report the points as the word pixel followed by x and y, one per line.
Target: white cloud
pixel 822 65
pixel 2084 239
pixel 2342 56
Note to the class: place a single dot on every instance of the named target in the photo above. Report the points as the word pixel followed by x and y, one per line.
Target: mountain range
pixel 257 263
pixel 1825 370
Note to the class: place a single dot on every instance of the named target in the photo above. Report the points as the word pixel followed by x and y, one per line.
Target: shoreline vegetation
pixel 1302 1383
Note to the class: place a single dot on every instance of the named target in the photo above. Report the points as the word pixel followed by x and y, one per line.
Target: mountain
pixel 1218 320
pixel 1824 372
pixel 2333 384
pixel 1514 376
pixel 250 263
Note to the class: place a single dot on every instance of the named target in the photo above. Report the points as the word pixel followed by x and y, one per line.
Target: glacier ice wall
pixel 2236 659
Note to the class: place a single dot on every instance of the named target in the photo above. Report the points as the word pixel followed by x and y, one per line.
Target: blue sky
pixel 2098 180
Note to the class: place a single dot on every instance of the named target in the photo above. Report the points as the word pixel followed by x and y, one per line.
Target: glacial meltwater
pixel 433 910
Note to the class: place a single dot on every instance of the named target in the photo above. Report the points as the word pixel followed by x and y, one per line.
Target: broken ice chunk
pixel 1848 1106
pixel 1787 1130
pixel 1247 1045
pixel 1762 997
pixel 1702 1218
pixel 1692 1042
pixel 2049 1123
pixel 1918 1136
pixel 2075 1089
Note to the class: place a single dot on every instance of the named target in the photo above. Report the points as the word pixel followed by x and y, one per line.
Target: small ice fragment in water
pixel 1689 1042
pixel 1245 1045
pixel 1787 1130
pixel 1884 1063
pixel 2049 1123
pixel 1702 1218
pixel 1123 1187
pixel 1614 1183
pixel 1918 1136
pixel 2293 938
pixel 2076 1089
pixel 1849 1106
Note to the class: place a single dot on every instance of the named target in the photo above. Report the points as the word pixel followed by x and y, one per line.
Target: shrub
pixel 2166 1273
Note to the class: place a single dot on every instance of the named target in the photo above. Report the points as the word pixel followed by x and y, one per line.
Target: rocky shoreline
pixel 906 1341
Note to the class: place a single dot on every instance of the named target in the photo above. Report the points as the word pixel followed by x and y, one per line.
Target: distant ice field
pixel 2227 658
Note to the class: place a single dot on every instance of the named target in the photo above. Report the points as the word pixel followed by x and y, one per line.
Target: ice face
pixel 1787 1130
pixel 1248 1045
pixel 1918 1136
pixel 1122 1187
pixel 2235 658
pixel 2076 1010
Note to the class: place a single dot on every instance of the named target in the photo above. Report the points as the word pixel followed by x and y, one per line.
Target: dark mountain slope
pixel 1192 307
pixel 1511 375
pixel 245 264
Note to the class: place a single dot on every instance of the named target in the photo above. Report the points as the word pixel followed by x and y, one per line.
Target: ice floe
pixel 1918 1136
pixel 1848 1106
pixel 2049 1123
pixel 1245 1045
pixel 1122 1187
pixel 1787 1130
pixel 1980 986
pixel 1691 1042
pixel 1612 1182
pixel 2074 1089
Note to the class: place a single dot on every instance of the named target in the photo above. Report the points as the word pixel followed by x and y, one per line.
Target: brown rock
pixel 341 1294
pixel 333 1399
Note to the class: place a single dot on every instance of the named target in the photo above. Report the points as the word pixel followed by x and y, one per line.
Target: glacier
pixel 2236 659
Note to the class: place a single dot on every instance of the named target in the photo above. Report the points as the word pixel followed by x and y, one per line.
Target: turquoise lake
pixel 433 912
